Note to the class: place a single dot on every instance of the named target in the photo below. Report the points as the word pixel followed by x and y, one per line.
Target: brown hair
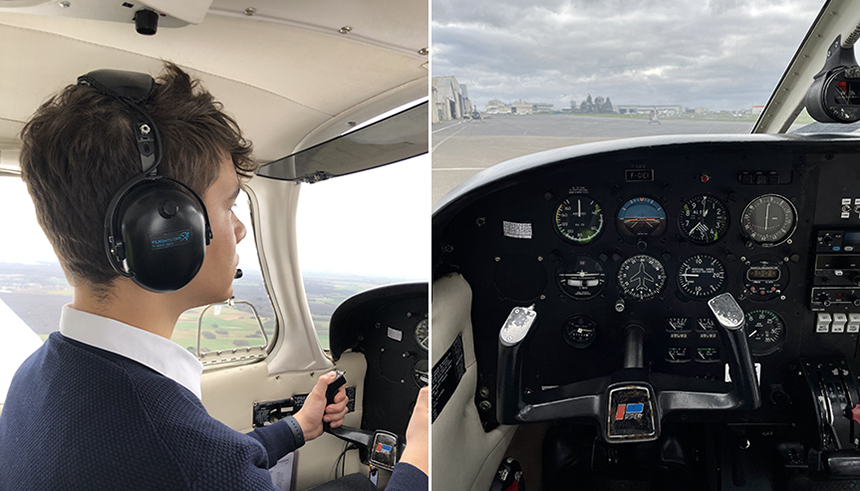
pixel 79 149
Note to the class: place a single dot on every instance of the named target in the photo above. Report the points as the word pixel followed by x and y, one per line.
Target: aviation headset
pixel 156 228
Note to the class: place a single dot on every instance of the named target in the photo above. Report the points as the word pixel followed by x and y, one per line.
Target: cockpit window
pixel 33 288
pixel 364 230
pixel 32 284
pixel 511 79
pixel 233 326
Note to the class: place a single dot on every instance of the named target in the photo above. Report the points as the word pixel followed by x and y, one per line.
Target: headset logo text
pixel 169 239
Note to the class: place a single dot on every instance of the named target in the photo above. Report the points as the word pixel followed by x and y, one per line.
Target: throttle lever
pixel 731 318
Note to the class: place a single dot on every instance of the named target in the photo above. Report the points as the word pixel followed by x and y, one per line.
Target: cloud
pixel 717 54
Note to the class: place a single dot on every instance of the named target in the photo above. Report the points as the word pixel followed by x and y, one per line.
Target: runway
pixel 462 148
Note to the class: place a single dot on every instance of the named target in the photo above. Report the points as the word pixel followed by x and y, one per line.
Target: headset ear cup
pixel 164 231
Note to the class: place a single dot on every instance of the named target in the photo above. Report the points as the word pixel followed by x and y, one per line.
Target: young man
pixel 109 402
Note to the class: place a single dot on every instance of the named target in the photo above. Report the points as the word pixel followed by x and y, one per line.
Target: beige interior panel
pixel 464 455
pixel 229 395
pixel 258 111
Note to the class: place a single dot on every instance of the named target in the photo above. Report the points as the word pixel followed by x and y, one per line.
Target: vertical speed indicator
pixel 579 219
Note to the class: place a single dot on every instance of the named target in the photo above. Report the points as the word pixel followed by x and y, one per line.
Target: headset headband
pixel 134 90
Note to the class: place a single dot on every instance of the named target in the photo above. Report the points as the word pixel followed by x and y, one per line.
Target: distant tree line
pixel 598 105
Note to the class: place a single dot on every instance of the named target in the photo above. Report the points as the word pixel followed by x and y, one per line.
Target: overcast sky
pixel 718 54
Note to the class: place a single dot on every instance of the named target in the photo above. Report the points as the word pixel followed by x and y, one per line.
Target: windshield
pixel 510 79
pixel 360 231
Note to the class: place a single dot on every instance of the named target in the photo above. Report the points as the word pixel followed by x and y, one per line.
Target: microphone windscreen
pixel 238 274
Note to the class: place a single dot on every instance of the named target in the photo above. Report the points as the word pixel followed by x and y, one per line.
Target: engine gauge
pixel 579 331
pixel 703 219
pixel 765 279
pixel 705 325
pixel 707 354
pixel 769 219
pixel 581 277
pixel 641 217
pixel 678 354
pixel 641 277
pixel 765 332
pixel 701 276
pixel 678 324
pixel 579 219
pixel 422 335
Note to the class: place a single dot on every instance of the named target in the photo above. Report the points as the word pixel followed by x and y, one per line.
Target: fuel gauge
pixel 678 354
pixel 707 354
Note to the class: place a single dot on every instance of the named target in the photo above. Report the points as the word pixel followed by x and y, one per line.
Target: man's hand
pixel 418 434
pixel 314 411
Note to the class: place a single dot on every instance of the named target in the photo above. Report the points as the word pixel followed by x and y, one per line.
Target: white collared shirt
pixel 151 350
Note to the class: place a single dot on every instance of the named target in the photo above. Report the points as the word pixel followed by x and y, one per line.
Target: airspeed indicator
pixel 579 219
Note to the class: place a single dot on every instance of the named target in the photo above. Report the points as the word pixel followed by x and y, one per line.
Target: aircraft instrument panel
pixel 644 233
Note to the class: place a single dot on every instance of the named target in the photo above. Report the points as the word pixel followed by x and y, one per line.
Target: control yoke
pixel 630 403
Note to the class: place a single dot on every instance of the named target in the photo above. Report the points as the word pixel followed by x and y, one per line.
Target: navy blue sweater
pixel 78 417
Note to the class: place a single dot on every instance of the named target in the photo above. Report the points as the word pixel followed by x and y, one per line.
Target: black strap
pixel 132 89
pixel 296 429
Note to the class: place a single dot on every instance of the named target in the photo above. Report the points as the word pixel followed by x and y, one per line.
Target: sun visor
pixel 389 140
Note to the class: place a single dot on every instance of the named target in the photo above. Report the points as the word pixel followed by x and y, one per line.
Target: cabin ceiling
pixel 281 73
